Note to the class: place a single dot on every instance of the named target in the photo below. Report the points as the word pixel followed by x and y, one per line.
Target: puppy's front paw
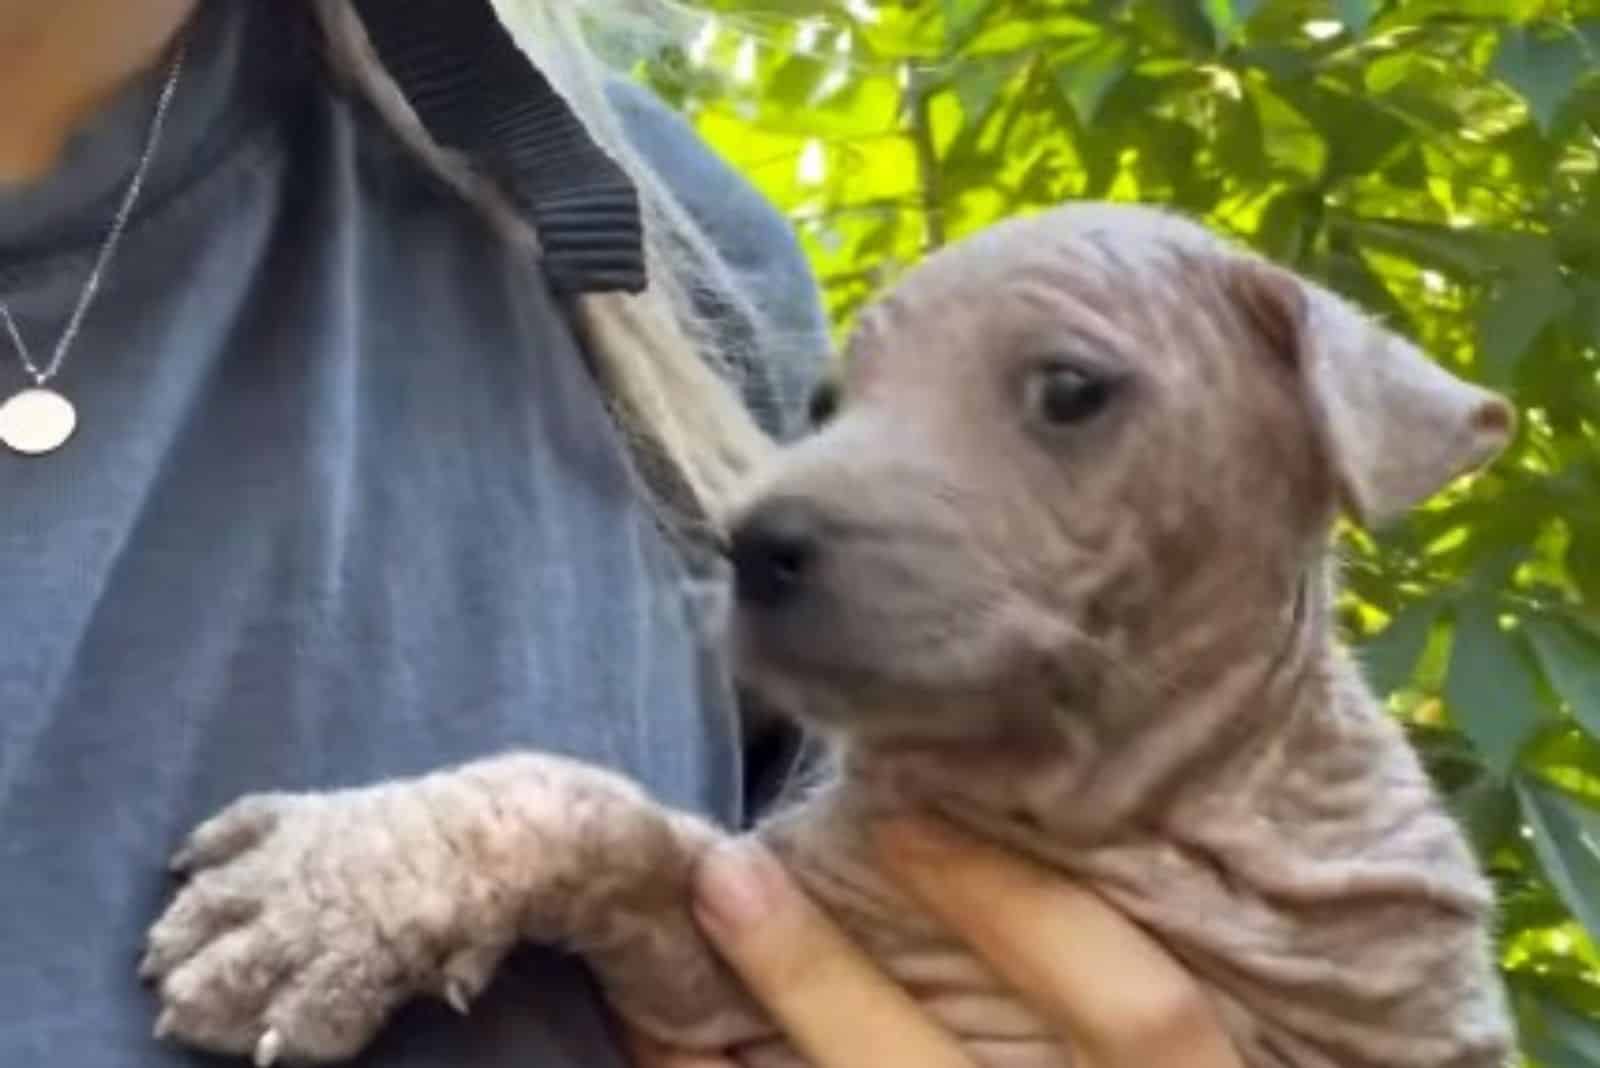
pixel 307 919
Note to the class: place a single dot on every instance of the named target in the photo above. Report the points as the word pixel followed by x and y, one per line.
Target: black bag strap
pixel 477 93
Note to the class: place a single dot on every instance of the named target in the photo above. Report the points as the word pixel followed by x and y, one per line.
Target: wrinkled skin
pixel 1064 582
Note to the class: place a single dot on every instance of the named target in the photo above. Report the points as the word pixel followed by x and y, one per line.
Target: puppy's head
pixel 1076 450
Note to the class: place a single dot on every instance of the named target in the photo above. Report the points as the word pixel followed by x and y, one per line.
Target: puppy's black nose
pixel 773 550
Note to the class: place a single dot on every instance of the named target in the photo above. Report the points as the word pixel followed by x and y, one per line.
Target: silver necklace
pixel 37 419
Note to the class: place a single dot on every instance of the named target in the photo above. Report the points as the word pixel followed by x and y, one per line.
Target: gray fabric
pixel 787 342
pixel 343 505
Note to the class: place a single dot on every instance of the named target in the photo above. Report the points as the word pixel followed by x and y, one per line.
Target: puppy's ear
pixel 1396 426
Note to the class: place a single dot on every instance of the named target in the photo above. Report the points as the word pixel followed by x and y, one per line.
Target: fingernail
pixel 737 886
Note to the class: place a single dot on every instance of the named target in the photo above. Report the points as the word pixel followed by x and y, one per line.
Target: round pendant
pixel 37 421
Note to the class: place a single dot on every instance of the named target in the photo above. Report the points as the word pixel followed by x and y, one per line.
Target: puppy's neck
pixel 1220 728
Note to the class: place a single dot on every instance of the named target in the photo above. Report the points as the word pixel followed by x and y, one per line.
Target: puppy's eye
pixel 1064 394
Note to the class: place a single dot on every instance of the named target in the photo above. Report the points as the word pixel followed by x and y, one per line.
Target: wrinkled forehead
pixel 1128 283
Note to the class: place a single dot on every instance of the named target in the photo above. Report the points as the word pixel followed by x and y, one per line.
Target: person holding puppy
pixel 367 395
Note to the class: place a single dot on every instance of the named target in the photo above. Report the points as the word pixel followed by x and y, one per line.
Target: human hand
pixel 1113 995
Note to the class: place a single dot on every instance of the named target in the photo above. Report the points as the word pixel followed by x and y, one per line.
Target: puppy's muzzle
pixel 774 551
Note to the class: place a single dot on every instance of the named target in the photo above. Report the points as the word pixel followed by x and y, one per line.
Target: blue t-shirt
pixel 343 504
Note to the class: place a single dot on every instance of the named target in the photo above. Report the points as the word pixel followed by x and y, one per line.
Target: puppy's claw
pixel 459 995
pixel 148 969
pixel 467 973
pixel 164 1026
pixel 181 861
pixel 269 1048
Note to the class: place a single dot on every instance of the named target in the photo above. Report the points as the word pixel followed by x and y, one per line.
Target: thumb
pixel 830 999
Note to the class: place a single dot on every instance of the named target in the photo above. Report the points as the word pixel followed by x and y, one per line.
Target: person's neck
pixel 60 63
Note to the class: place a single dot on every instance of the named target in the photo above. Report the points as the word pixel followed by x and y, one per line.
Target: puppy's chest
pixel 1372 966
pixel 829 855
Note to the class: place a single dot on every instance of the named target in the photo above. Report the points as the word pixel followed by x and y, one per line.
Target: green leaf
pixel 1360 136
pixel 1588 31
pixel 1288 226
pixel 1557 1037
pixel 1239 143
pixel 1088 73
pixel 978 85
pixel 1491 688
pixel 796 81
pixel 1188 19
pixel 1292 143
pixel 1486 808
pixel 1583 561
pixel 1468 252
pixel 962 18
pixel 879 242
pixel 1586 297
pixel 1536 903
pixel 1514 317
pixel 1347 270
pixel 1571 661
pixel 1566 839
pixel 1355 14
pixel 1391 656
pixel 1543 68
pixel 1229 16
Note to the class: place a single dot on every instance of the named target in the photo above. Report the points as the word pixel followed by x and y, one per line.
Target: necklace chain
pixel 41 375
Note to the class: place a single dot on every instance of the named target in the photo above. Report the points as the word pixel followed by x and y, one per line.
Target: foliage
pixel 1436 160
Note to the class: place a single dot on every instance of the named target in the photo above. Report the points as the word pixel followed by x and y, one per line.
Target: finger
pixel 645 1052
pixel 830 999
pixel 1104 984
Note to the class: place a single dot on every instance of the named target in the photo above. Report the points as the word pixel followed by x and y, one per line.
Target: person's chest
pixel 342 505
pixel 342 483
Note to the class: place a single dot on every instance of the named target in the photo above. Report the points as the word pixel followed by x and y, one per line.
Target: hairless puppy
pixel 1057 571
